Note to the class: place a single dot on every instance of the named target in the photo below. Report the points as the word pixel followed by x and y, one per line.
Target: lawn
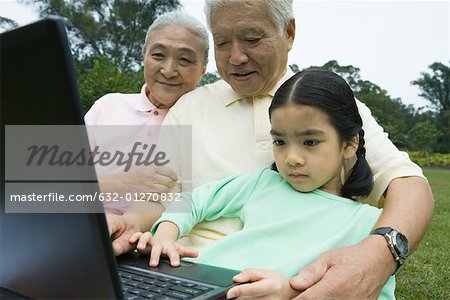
pixel 426 274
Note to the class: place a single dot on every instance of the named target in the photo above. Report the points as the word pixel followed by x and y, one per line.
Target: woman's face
pixel 173 63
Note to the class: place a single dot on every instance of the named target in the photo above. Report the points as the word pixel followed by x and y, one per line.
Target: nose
pixel 237 54
pixel 294 158
pixel 169 68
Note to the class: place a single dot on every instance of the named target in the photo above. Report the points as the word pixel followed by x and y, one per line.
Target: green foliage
pixel 114 29
pixel 387 111
pixel 107 38
pixel 426 274
pixel 294 68
pixel 425 159
pixel 7 24
pixel 436 86
pixel 349 73
pixel 209 78
pixel 423 137
pixel 104 77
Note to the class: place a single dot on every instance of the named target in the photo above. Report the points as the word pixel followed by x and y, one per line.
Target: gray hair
pixel 280 11
pixel 183 19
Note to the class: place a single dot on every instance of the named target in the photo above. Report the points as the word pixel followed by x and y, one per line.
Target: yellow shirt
pixel 230 136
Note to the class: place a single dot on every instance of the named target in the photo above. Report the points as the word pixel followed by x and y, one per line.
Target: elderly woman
pixel 175 55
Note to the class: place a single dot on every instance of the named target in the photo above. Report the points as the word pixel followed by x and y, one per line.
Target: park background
pixel 394 54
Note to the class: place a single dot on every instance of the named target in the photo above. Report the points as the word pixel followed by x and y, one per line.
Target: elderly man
pixel 230 127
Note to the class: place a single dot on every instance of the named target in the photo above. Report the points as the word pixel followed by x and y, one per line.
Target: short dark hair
pixel 330 93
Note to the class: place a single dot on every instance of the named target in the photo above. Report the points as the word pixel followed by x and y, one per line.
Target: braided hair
pixel 330 93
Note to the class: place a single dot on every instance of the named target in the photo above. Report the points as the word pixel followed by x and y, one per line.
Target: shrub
pixel 425 159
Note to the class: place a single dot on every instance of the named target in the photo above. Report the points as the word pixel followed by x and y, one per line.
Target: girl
pixel 293 211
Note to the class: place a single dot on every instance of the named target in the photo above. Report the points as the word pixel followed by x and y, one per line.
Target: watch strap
pixel 382 230
pixel 385 232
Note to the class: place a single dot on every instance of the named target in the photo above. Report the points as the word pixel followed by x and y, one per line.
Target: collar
pixel 144 105
pixel 229 96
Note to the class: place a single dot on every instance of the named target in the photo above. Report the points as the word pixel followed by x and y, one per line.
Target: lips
pixel 298 175
pixel 242 76
pixel 169 84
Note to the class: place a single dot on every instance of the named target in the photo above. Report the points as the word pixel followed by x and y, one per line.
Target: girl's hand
pixel 156 245
pixel 263 284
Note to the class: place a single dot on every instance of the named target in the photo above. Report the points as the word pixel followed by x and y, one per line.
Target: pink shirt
pixel 120 121
pixel 125 109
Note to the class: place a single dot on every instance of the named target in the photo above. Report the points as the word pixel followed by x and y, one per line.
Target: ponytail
pixel 330 93
pixel 360 179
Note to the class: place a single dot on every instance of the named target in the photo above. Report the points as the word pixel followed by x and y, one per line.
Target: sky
pixel 391 42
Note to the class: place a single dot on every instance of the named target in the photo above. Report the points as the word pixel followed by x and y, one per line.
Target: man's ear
pixel 350 147
pixel 290 33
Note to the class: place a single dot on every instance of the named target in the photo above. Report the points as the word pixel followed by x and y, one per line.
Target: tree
pixel 209 78
pixel 423 137
pixel 294 68
pixel 104 77
pixel 107 37
pixel 114 29
pixel 349 73
pixel 395 117
pixel 436 86
pixel 6 24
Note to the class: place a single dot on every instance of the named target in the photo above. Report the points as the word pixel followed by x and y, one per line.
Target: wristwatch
pixel 397 243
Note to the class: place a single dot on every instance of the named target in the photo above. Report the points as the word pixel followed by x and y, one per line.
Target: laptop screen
pixel 47 255
pixel 38 84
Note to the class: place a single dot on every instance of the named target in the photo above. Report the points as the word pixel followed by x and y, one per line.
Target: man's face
pixel 251 54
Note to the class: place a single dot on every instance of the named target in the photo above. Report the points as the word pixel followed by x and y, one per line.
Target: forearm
pixel 408 207
pixel 167 230
pixel 145 213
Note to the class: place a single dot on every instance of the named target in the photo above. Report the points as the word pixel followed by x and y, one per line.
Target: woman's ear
pixel 350 147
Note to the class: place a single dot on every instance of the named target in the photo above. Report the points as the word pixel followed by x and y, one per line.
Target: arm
pixel 223 198
pixel 362 270
pixel 140 216
pixel 408 207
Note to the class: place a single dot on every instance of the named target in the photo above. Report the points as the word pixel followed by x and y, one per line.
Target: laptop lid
pixel 48 255
pixel 59 255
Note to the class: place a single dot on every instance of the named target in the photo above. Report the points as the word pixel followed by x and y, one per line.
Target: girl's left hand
pixel 263 284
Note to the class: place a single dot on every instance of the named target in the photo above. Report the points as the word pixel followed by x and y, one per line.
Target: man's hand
pixel 356 272
pixel 121 227
pixel 261 284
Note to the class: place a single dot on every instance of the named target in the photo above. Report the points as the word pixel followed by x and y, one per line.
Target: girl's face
pixel 308 151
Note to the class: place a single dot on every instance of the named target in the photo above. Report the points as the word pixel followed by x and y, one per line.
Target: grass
pixel 426 273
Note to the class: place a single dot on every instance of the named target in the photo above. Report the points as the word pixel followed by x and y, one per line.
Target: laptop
pixel 68 255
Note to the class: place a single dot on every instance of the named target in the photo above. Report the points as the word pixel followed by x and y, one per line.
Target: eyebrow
pixel 182 49
pixel 306 132
pixel 246 31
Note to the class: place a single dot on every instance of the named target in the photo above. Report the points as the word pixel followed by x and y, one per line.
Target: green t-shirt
pixel 283 229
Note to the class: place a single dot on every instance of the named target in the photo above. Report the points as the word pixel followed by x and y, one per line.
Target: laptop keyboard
pixel 152 286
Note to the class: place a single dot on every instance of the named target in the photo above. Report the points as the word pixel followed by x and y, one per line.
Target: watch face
pixel 401 244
